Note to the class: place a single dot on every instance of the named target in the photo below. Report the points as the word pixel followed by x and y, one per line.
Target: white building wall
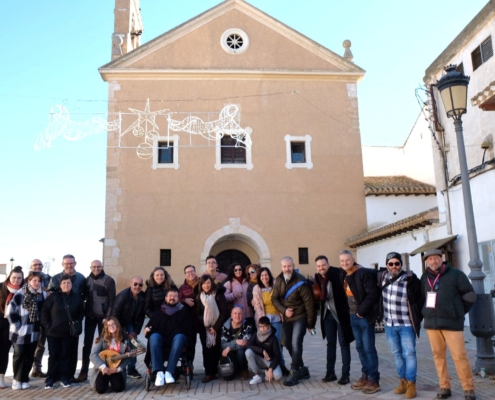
pixel 384 210
pixel 413 160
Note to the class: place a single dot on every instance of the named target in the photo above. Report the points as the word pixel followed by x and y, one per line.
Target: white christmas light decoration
pixel 60 124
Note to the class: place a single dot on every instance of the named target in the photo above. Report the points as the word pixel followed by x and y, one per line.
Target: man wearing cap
pixel 448 296
pixel 401 310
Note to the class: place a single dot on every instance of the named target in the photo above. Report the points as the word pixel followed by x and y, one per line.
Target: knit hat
pixel 394 255
pixel 434 252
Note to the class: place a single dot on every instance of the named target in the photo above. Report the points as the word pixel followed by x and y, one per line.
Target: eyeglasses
pixel 237 306
pixel 238 270
pixel 112 325
pixel 96 266
pixel 394 264
pixel 36 265
pixel 252 271
pixel 138 284
pixel 68 264
pixel 190 271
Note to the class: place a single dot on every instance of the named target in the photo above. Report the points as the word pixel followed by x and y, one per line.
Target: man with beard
pixel 401 310
pixel 363 297
pixel 447 295
pixel 293 298
pixel 335 319
pixel 99 294
pixel 168 332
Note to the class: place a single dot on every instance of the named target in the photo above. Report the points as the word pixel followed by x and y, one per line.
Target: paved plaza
pixel 314 388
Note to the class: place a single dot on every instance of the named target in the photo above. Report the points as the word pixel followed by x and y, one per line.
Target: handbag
pixel 75 327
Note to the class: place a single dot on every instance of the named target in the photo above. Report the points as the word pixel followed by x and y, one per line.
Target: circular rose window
pixel 234 41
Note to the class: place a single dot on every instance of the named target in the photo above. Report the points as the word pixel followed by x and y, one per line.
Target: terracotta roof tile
pixel 395 185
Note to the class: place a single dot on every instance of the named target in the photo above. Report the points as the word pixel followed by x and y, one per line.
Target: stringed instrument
pixel 112 358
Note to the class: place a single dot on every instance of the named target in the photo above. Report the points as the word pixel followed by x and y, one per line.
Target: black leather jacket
pixel 365 290
pixel 123 310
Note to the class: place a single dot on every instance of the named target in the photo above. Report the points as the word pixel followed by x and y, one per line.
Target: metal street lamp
pixel 12 263
pixel 453 90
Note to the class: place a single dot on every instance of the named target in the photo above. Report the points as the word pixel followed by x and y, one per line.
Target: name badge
pixel 431 299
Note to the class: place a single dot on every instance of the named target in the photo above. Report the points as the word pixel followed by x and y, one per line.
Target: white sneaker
pixel 16 385
pixel 25 385
pixel 169 378
pixel 160 379
pixel 256 379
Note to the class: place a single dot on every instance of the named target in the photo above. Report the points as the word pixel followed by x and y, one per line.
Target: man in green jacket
pixel 293 298
pixel 448 296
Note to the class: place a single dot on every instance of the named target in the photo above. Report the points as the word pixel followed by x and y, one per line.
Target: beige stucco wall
pixel 179 209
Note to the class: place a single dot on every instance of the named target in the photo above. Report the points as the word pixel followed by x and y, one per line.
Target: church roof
pixel 395 185
pixel 125 63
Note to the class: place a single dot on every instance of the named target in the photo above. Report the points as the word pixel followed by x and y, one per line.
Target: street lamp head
pixel 453 90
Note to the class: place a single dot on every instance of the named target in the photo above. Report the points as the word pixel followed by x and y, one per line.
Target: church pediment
pixel 232 38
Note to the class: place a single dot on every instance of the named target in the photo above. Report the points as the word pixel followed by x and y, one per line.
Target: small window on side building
pixel 298 152
pixel 165 257
pixel 230 154
pixel 166 152
pixel 482 53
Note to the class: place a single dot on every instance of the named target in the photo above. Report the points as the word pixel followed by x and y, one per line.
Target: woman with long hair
pixel 263 306
pixel 252 274
pixel 111 338
pixel 24 314
pixel 212 313
pixel 59 309
pixel 158 283
pixel 236 286
pixel 7 289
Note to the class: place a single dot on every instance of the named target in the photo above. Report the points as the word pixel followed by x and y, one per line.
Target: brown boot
pixel 411 390
pixel 244 374
pixel 401 389
pixel 82 377
pixel 360 384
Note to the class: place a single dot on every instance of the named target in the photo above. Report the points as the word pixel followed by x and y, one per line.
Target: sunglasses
pixel 138 284
pixel 252 271
pixel 394 264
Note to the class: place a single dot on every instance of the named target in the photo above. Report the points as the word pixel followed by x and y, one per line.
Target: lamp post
pixel 12 263
pixel 453 90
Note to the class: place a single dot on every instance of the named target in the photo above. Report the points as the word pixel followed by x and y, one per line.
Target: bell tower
pixel 128 27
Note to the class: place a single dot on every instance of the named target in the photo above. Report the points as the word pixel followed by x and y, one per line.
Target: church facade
pixel 239 137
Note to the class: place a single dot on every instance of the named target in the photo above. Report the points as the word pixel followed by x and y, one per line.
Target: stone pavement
pixel 314 388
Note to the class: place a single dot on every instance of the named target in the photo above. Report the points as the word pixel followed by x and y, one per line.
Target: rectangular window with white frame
pixel 166 152
pixel 298 152
pixel 230 154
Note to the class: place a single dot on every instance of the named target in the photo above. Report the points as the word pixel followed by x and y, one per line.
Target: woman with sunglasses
pixel 24 314
pixel 263 306
pixel 212 313
pixel 158 283
pixel 236 286
pixel 104 375
pixel 252 273
pixel 7 289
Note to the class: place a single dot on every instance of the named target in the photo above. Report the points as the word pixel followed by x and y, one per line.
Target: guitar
pixel 112 358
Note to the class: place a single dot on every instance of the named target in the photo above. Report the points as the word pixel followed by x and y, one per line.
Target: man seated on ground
pixel 235 335
pixel 168 332
pixel 263 353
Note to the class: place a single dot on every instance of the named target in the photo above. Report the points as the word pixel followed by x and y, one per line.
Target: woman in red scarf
pixel 7 289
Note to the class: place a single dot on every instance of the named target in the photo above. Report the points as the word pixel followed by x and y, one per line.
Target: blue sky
pixel 53 200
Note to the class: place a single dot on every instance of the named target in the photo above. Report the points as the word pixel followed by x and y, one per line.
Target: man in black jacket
pixel 448 296
pixel 263 353
pixel 334 318
pixel 99 294
pixel 128 308
pixel 168 331
pixel 401 310
pixel 363 297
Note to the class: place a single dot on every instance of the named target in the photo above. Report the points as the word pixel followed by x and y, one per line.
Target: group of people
pixel 243 319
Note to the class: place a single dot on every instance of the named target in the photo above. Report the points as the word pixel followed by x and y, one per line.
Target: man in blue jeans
pixel 168 332
pixel 363 297
pixel 293 298
pixel 401 309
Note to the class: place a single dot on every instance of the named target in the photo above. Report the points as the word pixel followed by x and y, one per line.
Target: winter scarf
pixel 262 336
pixel 12 289
pixel 171 310
pixel 210 317
pixel 30 302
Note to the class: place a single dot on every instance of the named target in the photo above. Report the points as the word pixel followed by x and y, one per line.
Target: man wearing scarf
pixel 263 353
pixel 447 295
pixel 187 295
pixel 169 330
pixel 100 295
pixel 335 319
